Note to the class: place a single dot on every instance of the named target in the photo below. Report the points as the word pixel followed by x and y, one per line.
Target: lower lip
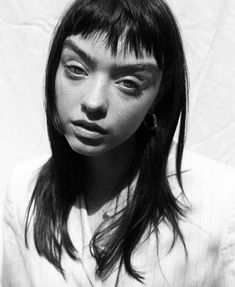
pixel 85 133
pixel 90 141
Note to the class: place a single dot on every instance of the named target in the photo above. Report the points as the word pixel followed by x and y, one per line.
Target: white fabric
pixel 26 27
pixel 209 232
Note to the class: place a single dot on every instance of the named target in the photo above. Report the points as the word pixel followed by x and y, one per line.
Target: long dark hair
pixel 147 25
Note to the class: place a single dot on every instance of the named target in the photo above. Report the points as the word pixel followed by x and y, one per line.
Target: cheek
pixel 142 106
pixel 64 99
pixel 130 117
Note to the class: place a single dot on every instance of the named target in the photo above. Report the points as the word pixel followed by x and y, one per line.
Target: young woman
pixel 108 207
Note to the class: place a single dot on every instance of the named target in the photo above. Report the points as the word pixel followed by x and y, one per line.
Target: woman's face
pixel 102 99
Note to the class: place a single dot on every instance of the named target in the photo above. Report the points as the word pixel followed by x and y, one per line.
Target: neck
pixel 105 173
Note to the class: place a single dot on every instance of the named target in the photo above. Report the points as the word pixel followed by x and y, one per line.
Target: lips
pixel 89 127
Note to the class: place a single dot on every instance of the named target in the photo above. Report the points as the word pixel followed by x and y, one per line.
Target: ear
pixel 150 121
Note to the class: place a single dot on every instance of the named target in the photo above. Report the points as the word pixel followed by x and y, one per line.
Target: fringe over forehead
pixel 144 24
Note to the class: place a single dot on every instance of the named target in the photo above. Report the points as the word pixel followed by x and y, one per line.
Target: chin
pixel 90 152
pixel 87 149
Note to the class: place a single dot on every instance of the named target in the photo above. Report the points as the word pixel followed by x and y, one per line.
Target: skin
pixel 115 92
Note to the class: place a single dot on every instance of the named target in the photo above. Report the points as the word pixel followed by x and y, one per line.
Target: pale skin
pixel 113 92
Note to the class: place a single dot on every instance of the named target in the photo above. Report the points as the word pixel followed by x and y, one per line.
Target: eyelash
pixel 134 89
pixel 133 84
pixel 71 70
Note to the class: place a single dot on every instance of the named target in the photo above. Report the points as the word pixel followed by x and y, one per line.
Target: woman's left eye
pixel 129 84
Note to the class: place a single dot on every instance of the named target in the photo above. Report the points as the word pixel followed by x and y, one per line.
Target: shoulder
pixel 24 175
pixel 209 167
pixel 204 176
pixel 205 181
pixel 210 188
pixel 19 189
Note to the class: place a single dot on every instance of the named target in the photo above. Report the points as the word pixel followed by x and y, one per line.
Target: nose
pixel 95 100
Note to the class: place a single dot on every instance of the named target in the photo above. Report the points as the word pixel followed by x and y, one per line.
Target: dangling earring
pixel 150 121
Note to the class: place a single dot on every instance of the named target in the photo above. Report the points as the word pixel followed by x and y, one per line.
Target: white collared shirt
pixel 208 229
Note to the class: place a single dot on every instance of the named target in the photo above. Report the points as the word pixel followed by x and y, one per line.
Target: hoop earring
pixel 150 121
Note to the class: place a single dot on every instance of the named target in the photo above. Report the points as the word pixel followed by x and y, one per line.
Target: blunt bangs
pixel 141 26
pixel 144 25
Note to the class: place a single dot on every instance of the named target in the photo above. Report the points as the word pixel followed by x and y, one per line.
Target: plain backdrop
pixel 208 29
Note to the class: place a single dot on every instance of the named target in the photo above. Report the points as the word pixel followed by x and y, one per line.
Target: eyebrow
pixel 139 67
pixel 72 46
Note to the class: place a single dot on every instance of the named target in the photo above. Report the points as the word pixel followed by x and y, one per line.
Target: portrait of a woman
pixel 115 204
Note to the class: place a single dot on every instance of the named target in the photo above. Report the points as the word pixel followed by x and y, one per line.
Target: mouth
pixel 89 128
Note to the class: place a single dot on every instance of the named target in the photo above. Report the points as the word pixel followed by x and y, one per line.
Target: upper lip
pixel 90 126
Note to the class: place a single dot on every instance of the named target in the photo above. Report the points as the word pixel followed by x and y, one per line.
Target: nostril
pixel 94 114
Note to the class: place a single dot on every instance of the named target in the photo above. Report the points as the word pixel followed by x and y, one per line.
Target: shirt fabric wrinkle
pixel 208 229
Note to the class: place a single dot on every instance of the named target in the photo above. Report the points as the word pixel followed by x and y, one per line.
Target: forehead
pixel 96 47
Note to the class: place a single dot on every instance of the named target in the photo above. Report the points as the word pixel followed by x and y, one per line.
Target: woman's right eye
pixel 74 70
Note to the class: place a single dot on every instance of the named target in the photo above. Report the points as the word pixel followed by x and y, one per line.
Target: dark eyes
pixel 128 85
pixel 74 70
